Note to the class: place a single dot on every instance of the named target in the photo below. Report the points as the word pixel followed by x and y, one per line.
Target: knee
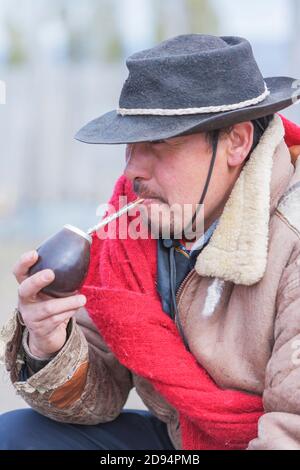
pixel 18 429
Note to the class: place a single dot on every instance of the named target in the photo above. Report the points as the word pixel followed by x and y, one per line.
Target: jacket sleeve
pixel 279 427
pixel 84 383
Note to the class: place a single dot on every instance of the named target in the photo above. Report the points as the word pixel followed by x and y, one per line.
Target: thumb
pixel 295 153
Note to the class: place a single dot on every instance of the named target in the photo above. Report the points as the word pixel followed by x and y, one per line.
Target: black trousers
pixel 26 429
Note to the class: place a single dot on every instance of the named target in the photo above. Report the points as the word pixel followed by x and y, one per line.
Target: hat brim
pixel 112 128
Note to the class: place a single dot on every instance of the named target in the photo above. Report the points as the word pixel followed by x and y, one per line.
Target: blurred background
pixel 63 64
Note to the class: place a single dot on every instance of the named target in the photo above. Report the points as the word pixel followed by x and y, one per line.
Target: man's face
pixel 170 175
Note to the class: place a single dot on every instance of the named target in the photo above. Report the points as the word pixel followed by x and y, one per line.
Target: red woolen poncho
pixel 123 302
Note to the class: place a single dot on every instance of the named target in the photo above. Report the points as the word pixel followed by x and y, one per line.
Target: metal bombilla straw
pixel 114 216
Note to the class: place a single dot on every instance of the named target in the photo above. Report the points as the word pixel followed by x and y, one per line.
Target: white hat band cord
pixel 186 111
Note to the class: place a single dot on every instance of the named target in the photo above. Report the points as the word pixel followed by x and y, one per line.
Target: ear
pixel 295 153
pixel 239 143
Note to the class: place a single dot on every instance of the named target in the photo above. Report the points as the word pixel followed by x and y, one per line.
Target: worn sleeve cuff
pixel 62 366
pixel 34 363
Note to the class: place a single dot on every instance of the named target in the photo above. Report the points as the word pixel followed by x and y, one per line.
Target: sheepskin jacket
pixel 239 308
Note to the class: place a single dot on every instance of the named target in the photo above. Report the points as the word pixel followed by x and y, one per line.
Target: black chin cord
pixel 215 139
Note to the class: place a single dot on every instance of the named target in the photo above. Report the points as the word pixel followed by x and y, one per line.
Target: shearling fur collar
pixel 238 249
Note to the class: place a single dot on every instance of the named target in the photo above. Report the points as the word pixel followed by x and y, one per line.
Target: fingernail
pixel 48 276
pixel 30 255
pixel 82 300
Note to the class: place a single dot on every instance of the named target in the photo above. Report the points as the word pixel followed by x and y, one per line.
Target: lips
pixel 147 196
pixel 151 200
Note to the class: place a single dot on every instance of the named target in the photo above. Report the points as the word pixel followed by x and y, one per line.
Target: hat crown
pixel 192 71
pixel 183 44
pixel 188 84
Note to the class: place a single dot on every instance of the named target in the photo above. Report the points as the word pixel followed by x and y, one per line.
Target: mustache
pixel 142 191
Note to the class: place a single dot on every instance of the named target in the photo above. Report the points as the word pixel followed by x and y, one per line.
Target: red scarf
pixel 292 132
pixel 123 302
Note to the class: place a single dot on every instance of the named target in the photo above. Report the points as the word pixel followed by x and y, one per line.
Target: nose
pixel 138 161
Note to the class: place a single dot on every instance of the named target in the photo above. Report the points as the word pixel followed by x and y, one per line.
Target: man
pixel 208 333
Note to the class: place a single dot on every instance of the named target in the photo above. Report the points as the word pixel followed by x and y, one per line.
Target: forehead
pixel 178 139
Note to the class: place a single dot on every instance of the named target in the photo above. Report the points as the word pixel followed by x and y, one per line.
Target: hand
pixel 45 317
pixel 295 153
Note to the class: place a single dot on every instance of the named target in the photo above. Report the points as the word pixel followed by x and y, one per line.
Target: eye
pixel 156 142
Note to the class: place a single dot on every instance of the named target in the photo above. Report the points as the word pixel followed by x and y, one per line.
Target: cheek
pixel 191 180
pixel 169 178
pixel 180 182
pixel 190 188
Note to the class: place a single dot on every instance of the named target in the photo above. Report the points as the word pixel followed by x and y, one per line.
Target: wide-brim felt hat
pixel 187 84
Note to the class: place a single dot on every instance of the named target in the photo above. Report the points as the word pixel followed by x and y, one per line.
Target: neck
pixel 207 223
pixel 210 217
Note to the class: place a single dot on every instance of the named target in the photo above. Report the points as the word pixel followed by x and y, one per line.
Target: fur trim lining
pixel 238 249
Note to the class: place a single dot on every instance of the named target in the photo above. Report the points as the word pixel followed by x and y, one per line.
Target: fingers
pixel 47 327
pixel 21 268
pixel 31 285
pixel 43 318
pixel 54 308
pixel 295 153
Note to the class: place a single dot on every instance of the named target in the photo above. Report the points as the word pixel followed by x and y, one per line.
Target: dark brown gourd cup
pixel 67 253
